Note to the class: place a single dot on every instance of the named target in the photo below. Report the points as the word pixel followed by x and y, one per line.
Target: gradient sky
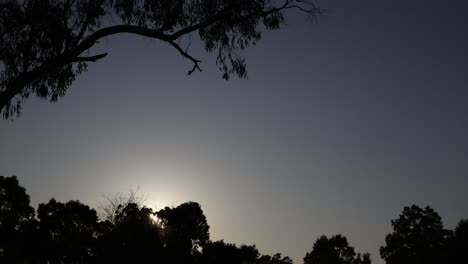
pixel 340 125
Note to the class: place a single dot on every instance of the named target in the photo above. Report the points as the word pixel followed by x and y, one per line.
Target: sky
pixel 341 123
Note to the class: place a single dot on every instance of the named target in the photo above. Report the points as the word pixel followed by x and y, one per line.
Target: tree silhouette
pixel 418 237
pixel 16 219
pixel 44 45
pixel 72 233
pixel 459 243
pixel 220 252
pixel 114 203
pixel 334 250
pixel 363 258
pixel 226 253
pixel 132 238
pixel 185 231
pixel 275 259
pixel 67 231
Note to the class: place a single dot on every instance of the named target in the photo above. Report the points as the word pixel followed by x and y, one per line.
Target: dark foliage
pixel 16 219
pixel 72 233
pixel 334 250
pixel 418 237
pixel 221 252
pixel 458 245
pixel 67 231
pixel 132 238
pixel 14 204
pixel 46 44
pixel 186 231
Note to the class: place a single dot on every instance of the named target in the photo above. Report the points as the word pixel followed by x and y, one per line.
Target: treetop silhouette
pixel 458 244
pixel 46 44
pixel 71 232
pixel 335 250
pixel 418 237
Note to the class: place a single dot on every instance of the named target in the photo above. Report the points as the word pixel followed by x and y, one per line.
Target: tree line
pixel 129 232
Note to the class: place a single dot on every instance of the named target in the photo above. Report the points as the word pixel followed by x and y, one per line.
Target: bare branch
pixel 188 56
pixel 90 58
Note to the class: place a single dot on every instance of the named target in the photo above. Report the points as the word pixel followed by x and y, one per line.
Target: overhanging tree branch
pixel 227 26
pixel 90 58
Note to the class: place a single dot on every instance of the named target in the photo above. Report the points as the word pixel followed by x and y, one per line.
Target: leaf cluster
pixel 46 44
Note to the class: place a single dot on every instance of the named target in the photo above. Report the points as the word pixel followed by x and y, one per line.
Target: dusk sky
pixel 341 123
